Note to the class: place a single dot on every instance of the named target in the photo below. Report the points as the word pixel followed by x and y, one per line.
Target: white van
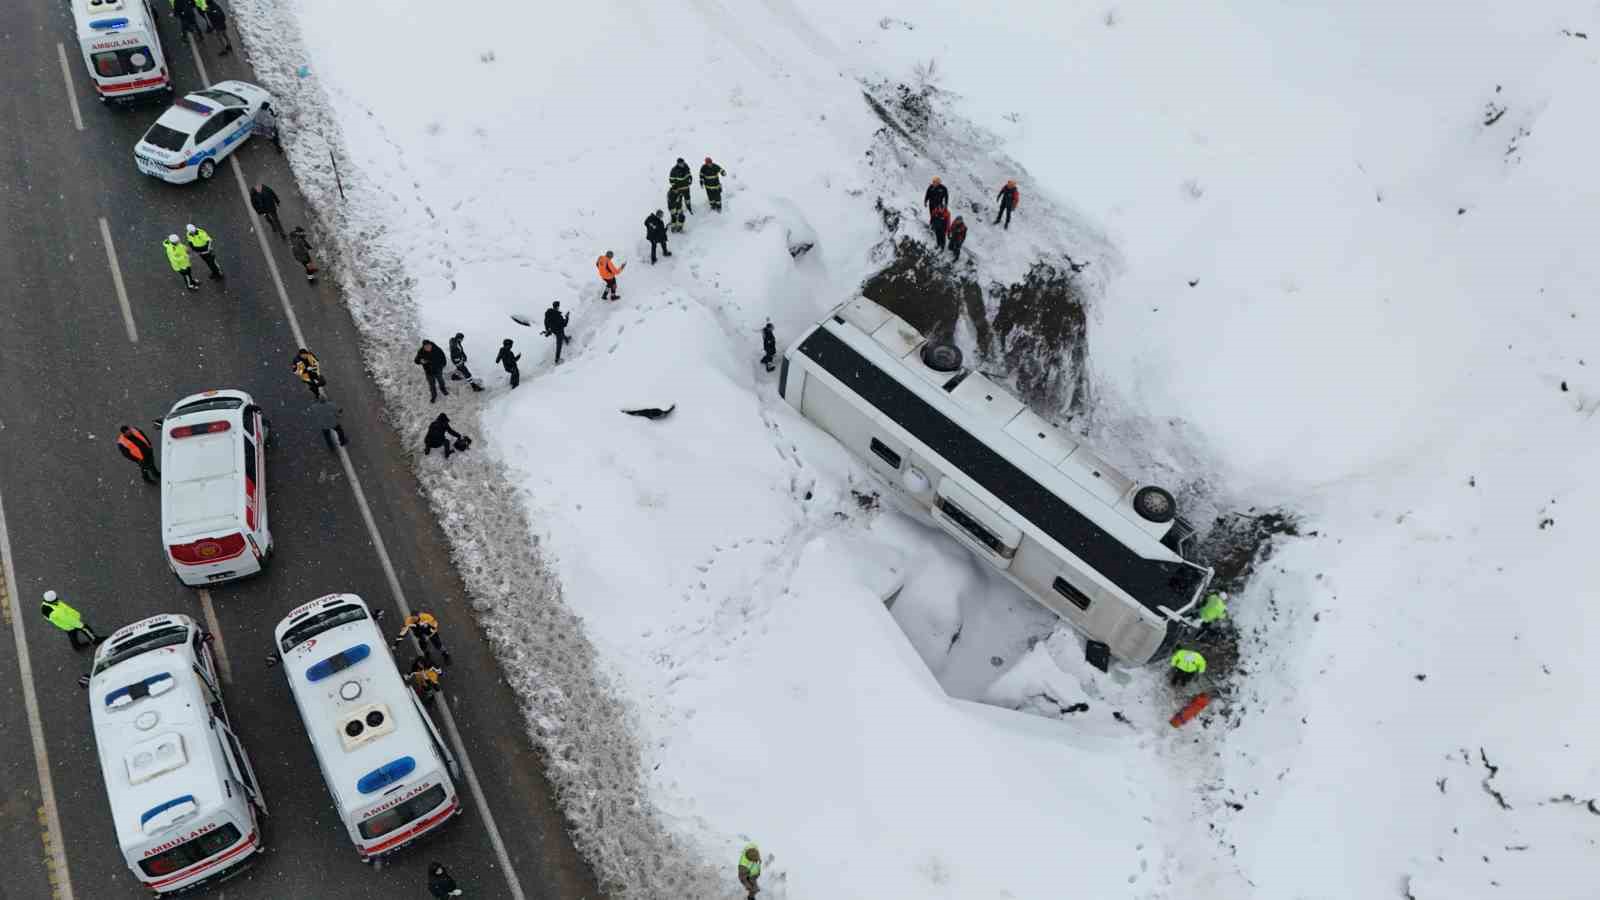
pixel 214 488
pixel 121 47
pixel 386 766
pixel 184 797
pixel 1098 549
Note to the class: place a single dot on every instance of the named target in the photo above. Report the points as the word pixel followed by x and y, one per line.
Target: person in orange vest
pixel 958 236
pixel 135 446
pixel 424 678
pixel 1009 197
pixel 609 270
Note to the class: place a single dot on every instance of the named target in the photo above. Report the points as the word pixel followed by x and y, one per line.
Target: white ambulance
pixel 386 766
pixel 214 488
pixel 183 794
pixel 121 47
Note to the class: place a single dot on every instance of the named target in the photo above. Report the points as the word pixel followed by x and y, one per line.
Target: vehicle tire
pixel 941 357
pixel 1155 504
pixel 208 168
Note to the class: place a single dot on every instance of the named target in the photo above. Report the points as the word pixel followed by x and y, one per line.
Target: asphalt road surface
pixel 81 522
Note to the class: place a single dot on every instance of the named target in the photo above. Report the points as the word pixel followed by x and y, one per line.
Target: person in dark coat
pixel 1009 197
pixel 675 203
pixel 711 179
pixel 431 359
pixel 957 236
pixel 679 181
pixel 939 221
pixel 655 231
pixel 265 203
pixel 188 18
pixel 436 436
pixel 440 884
pixel 936 195
pixel 769 346
pixel 555 325
pixel 508 359
pixel 458 358
pixel 326 417
pixel 218 20
pixel 300 249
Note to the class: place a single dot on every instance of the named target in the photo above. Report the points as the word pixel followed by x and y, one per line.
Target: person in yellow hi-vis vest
pixel 58 613
pixel 750 870
pixel 1186 665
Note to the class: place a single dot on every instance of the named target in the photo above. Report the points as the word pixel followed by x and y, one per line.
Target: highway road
pixel 74 363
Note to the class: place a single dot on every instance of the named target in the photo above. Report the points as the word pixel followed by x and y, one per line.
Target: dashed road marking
pixel 50 819
pixel 72 92
pixel 116 281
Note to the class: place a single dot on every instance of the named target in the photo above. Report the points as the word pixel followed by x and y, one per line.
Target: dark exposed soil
pixel 922 287
pixel 1043 336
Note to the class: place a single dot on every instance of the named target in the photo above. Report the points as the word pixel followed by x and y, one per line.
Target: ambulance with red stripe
pixel 385 764
pixel 120 45
pixel 214 488
pixel 183 794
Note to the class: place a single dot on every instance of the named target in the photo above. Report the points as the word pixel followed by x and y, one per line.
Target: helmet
pixel 49 596
pixel 190 229
pixel 172 239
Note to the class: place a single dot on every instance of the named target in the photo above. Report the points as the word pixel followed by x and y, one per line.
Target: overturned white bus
pixel 1086 541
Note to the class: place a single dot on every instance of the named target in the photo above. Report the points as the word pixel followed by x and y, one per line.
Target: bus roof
pixel 151 718
pixel 342 676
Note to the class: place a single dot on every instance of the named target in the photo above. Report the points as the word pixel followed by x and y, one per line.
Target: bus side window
pixel 1078 598
pixel 885 454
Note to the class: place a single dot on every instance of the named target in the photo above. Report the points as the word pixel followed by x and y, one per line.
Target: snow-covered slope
pixel 1384 213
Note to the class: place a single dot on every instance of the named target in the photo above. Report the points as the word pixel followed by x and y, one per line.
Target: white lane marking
pixel 377 542
pixel 57 853
pixel 217 649
pixel 72 92
pixel 443 708
pixel 116 280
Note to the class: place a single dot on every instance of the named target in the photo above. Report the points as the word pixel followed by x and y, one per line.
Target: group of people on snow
pixel 952 233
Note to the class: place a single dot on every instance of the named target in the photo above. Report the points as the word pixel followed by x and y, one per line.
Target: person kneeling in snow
pixel 437 430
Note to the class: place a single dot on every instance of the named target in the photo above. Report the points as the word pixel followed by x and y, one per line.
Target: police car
pixel 199 131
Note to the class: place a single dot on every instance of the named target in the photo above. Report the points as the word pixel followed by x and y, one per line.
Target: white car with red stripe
pixel 184 797
pixel 121 47
pixel 385 764
pixel 214 488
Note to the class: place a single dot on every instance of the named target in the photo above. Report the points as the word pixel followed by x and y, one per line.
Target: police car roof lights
pixel 193 106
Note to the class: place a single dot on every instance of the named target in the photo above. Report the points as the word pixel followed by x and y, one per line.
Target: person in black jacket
pixel 218 19
pixel 458 358
pixel 265 203
pixel 508 359
pixel 936 195
pixel 188 16
pixel 655 231
pixel 431 359
pixel 440 884
pixel 437 430
pixel 1008 197
pixel 679 181
pixel 711 179
pixel 769 346
pixel 555 324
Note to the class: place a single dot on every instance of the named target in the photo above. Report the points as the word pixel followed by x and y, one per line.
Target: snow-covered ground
pixel 1339 265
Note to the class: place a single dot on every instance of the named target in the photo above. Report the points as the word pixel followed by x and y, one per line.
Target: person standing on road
pixel 431 359
pixel 200 7
pixel 958 236
pixel 555 324
pixel 265 202
pixel 425 628
pixel 218 19
pixel 509 360
pixel 300 249
pixel 424 679
pixel 203 245
pixel 750 870
pixel 711 179
pixel 1009 197
pixel 178 258
pixel 309 369
pixel 936 195
pixel 266 125
pixel 939 221
pixel 58 613
pixel 438 430
pixel 609 270
pixel 655 231
pixel 679 181
pixel 440 884
pixel 326 416
pixel 135 446
pixel 769 346
pixel 188 15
